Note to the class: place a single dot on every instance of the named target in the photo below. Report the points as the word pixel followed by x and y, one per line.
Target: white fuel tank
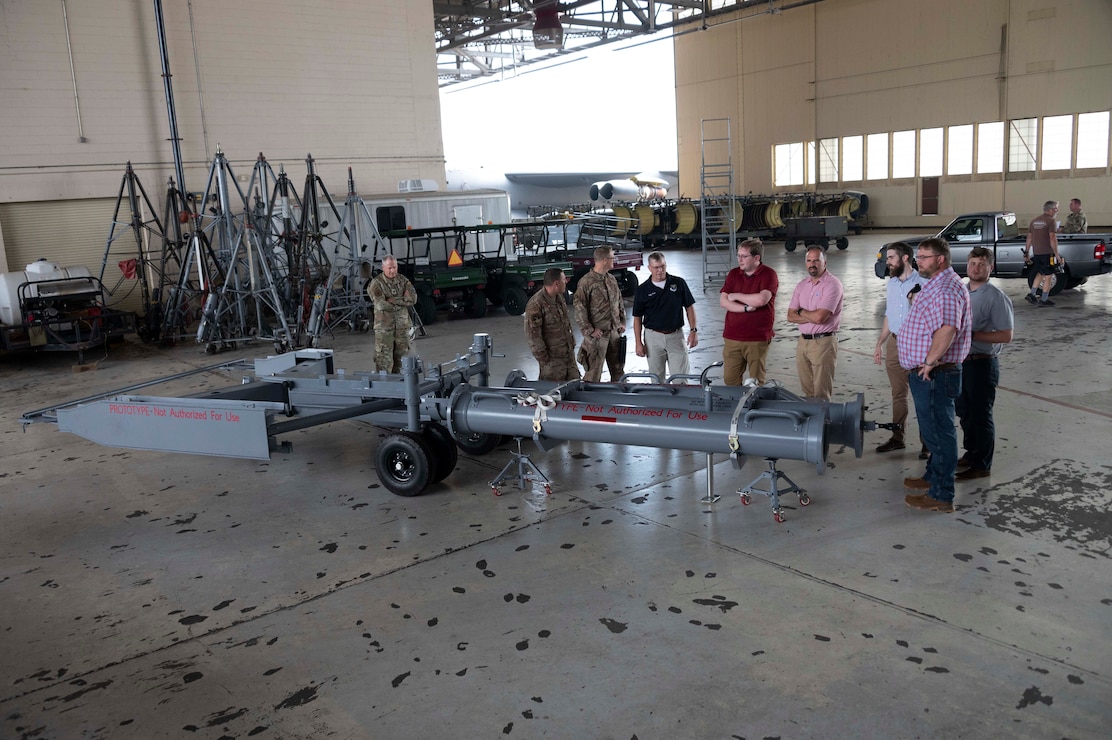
pixel 37 272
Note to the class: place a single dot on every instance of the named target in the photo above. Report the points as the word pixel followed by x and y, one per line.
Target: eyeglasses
pixel 921 257
pixel 741 256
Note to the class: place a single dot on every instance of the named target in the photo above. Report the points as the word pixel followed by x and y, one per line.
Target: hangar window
pixel 853 155
pixel 876 156
pixel 930 152
pixel 1023 135
pixel 959 150
pixel 828 160
pixel 903 154
pixel 788 159
pixel 1057 144
pixel 990 147
pixel 1092 139
pixel 811 160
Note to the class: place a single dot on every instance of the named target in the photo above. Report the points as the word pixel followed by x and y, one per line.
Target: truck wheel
pixel 477 304
pixel 842 242
pixel 426 308
pixel 404 464
pixel 789 244
pixel 514 299
pixel 1057 282
pixel 627 281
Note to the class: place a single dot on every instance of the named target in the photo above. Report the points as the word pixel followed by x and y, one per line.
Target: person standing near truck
pixel 1076 223
pixel 1042 249
pixel 993 322
pixel 600 313
pixel 392 295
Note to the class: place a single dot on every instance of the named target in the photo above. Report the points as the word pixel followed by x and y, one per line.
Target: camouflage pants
pixel 559 369
pixel 390 346
pixel 593 353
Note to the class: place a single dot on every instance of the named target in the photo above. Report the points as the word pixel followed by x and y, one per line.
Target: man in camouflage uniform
pixel 392 295
pixel 600 313
pixel 548 329
pixel 1076 223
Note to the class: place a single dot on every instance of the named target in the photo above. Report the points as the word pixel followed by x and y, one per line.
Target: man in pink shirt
pixel 816 306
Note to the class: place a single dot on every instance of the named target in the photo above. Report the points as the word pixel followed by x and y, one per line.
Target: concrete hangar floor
pixel 152 595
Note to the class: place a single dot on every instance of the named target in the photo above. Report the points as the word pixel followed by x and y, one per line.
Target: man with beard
pixel 816 305
pixel 933 343
pixel 902 279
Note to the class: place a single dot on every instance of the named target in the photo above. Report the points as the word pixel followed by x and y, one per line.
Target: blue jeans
pixel 934 410
pixel 979 379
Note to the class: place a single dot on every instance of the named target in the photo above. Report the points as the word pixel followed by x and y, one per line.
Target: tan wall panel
pixel 351 82
pixel 887 65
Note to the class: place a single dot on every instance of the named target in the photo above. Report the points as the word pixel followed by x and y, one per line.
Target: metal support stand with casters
pixel 772 475
pixel 527 472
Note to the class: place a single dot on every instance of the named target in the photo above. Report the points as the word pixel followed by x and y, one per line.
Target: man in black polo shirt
pixel 658 308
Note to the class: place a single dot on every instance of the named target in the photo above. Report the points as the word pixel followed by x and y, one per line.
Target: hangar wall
pixel 351 82
pixel 856 67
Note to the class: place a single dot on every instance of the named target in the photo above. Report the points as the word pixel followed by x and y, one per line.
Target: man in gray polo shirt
pixel 980 372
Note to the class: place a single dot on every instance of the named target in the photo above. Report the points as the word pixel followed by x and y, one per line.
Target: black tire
pixel 789 244
pixel 627 281
pixel 478 444
pixel 842 242
pixel 426 308
pixel 514 299
pixel 444 451
pixel 1057 285
pixel 477 304
pixel 573 282
pixel 1075 282
pixel 404 464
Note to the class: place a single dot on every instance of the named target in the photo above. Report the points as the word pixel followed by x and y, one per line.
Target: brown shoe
pixel 892 444
pixel 924 454
pixel 971 474
pixel 917 484
pixel 926 503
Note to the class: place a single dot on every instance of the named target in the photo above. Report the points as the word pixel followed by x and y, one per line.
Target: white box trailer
pixel 430 210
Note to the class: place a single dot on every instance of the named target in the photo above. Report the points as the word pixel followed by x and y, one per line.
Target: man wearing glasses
pixel 933 343
pixel 748 295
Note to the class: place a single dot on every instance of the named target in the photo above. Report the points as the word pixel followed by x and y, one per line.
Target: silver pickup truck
pixel 1084 255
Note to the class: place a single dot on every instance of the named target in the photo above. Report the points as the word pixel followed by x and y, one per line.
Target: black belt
pixel 817 336
pixel 980 357
pixel 940 368
pixel 662 331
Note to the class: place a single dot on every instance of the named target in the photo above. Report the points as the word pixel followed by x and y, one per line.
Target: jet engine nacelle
pixel 627 190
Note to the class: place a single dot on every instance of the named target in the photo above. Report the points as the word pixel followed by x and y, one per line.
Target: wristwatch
pixel 694 330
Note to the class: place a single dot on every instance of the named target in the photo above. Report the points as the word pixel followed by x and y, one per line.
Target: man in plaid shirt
pixel 933 342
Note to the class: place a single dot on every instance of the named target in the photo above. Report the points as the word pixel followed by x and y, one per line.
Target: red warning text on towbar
pixel 136 409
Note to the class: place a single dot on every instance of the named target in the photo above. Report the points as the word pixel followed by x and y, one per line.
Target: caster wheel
pixel 746 499
pixel 495 491
pixel 547 490
pixel 804 500
pixel 778 516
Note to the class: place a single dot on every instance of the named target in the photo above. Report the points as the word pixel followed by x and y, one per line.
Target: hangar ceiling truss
pixel 490 38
